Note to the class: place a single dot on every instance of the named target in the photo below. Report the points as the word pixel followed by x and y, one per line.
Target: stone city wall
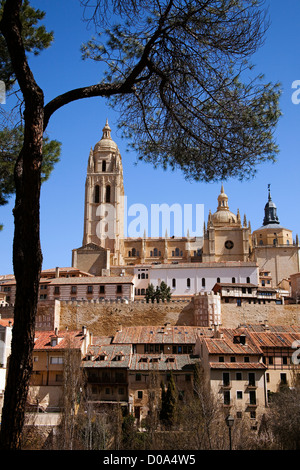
pixel 105 318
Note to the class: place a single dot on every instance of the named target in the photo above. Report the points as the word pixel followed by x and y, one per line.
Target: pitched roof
pixel 106 356
pixel 227 344
pixel 68 339
pixel 92 280
pixel 165 334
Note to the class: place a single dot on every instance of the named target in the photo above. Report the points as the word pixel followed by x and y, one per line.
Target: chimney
pixel 217 332
pixel 56 272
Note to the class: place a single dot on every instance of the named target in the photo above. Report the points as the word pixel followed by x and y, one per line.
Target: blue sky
pixel 79 126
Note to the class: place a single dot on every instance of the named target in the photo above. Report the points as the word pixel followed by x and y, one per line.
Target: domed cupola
pixel 223 215
pixel 106 143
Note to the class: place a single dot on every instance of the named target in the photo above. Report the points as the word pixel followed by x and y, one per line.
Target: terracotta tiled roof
pixel 6 321
pixel 237 365
pixel 92 280
pixel 275 339
pixel 229 343
pixel 160 334
pixel 106 356
pixel 68 339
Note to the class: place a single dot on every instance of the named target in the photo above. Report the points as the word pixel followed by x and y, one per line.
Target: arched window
pixel 173 283
pixel 233 280
pixel 203 282
pixel 188 283
pixel 97 194
pixel 248 280
pixel 218 280
pixel 176 251
pixel 103 165
pixel 133 252
pixel 107 196
pixel 155 252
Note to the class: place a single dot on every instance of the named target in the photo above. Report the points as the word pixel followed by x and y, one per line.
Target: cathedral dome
pixel 106 143
pixel 223 215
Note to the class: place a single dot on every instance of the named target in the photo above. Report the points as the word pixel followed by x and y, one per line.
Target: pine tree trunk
pixel 27 256
pixel 27 261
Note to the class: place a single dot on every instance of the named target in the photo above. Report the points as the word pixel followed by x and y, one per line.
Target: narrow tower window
pixel 97 194
pixel 103 165
pixel 107 198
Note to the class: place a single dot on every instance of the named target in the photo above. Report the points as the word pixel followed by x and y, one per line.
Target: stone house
pixel 233 363
pixel 49 354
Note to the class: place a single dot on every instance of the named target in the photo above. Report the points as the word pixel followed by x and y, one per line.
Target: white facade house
pixel 5 349
pixel 188 279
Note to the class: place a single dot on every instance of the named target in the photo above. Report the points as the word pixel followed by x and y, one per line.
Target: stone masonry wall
pixel 107 317
pixel 272 314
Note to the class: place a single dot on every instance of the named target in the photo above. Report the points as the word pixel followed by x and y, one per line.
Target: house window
pixel 140 394
pixel 173 283
pixel 239 395
pixel 102 289
pixel 56 360
pixel 246 359
pixel 226 397
pixel 56 290
pixel 90 289
pixel 138 377
pixel 283 380
pixel 73 289
pixel 188 283
pixel 238 376
pixel 119 289
pixel 218 280
pixel 251 377
pixel 233 280
pixel 248 280
pixel 203 282
pixel 97 194
pixel 221 358
pixel 226 378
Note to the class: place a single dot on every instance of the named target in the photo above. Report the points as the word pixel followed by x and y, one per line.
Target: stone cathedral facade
pixel 227 237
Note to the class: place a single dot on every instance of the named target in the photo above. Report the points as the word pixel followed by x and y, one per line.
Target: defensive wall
pixel 106 317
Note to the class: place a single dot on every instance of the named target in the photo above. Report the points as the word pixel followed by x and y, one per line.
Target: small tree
pixel 162 292
pixel 169 400
pixel 165 292
pixel 150 293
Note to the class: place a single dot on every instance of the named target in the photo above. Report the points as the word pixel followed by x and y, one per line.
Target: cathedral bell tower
pixel 104 198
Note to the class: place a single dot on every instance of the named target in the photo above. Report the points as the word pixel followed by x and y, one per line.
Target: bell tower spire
pixel 104 197
pixel 270 210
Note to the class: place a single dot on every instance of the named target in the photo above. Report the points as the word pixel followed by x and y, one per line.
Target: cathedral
pixel 226 237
